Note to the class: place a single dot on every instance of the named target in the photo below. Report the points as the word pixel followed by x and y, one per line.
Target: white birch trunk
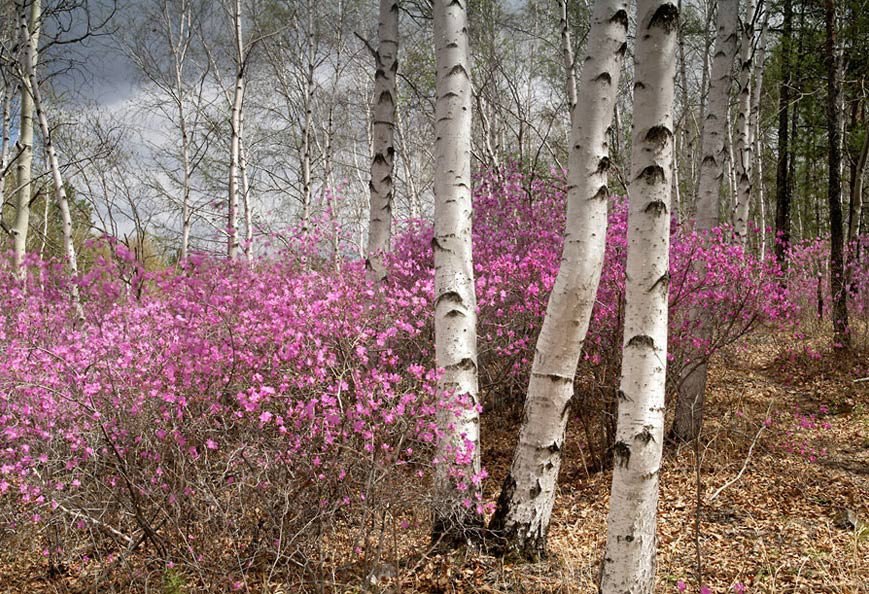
pixel 383 143
pixel 714 135
pixel 528 493
pixel 569 62
pixel 245 195
pixel 185 164
pixel 234 150
pixel 29 37
pixel 744 145
pixel 4 143
pixel 629 562
pixel 185 190
pixel 415 205
pixel 455 300
pixel 307 131
pixel 757 137
pixel 692 384
pixel 57 178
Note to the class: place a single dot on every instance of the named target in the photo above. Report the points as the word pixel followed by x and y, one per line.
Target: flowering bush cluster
pixel 235 411
pixel 808 278
pixel 212 410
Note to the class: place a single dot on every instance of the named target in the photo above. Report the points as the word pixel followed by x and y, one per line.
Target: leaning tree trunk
pixel 383 143
pixel 524 507
pixel 455 300
pixel 629 562
pixel 692 384
pixel 841 332
pixel 57 178
pixel 29 38
pixel 744 145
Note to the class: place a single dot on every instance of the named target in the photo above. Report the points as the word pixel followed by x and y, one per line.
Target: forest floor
pixel 784 503
pixel 784 495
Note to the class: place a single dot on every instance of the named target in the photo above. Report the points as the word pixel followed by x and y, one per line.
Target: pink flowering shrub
pixel 808 278
pixel 213 412
pixel 221 413
pixel 517 251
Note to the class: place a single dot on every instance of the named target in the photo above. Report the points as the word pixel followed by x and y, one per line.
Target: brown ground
pixel 787 524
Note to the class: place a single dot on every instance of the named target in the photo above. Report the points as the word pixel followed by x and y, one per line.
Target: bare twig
pixel 744 464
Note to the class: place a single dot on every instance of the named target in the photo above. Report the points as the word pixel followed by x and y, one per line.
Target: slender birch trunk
pixel 713 141
pixel 528 493
pixel 855 206
pixel 179 53
pixel 757 132
pixel 44 239
pixel 413 195
pixel 629 562
pixel 744 145
pixel 730 198
pixel 307 127
pixel 185 190
pixel 29 37
pixel 692 385
pixel 455 300
pixel 569 61
pixel 4 143
pixel 57 178
pixel 245 195
pixel 235 142
pixel 383 141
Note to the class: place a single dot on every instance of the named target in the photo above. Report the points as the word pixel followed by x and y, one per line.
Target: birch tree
pixel 172 68
pixel 569 61
pixel 236 123
pixel 383 128
pixel 692 384
pixel 455 300
pixel 6 124
pixel 57 178
pixel 26 68
pixel 29 29
pixel 744 145
pixel 527 495
pixel 629 562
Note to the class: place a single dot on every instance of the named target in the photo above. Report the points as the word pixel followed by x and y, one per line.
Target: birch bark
pixel 57 178
pixel 455 300
pixel 744 145
pixel 235 141
pixel 527 495
pixel 629 562
pixel 692 385
pixel 383 142
pixel 714 133
pixel 569 61
pixel 29 39
pixel 4 136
